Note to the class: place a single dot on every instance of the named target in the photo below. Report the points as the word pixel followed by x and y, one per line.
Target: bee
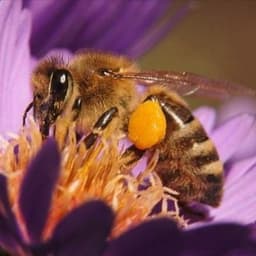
pixel 98 91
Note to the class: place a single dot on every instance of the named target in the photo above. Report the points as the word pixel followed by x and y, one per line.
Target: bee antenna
pixel 30 105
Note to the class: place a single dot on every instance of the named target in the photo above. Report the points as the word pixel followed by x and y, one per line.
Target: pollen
pixel 147 125
pixel 86 175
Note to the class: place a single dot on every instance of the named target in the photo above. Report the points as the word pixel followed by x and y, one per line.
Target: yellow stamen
pixel 87 175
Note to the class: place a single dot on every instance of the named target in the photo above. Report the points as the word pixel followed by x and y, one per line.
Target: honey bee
pixel 98 92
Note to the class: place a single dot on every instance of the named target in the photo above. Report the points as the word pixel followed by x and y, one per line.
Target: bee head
pixel 49 104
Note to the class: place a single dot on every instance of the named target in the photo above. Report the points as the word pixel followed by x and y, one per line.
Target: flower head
pixel 57 197
pixel 100 25
pixel 89 226
pixel 234 135
pixel 85 175
pixel 15 25
pixel 23 235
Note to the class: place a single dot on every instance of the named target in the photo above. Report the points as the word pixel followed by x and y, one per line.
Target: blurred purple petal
pixel 231 135
pixel 239 201
pixel 235 107
pixel 253 230
pixel 218 240
pixel 98 24
pixel 7 238
pixel 84 231
pixel 156 237
pixel 237 169
pixel 9 231
pixel 149 39
pixel 14 64
pixel 37 188
pixel 243 252
pixel 207 117
pixel 5 207
pixel 247 148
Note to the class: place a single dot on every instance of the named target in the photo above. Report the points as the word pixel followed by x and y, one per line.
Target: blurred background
pixel 216 39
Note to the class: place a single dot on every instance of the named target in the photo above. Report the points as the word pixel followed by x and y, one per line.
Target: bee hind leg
pixel 131 156
pixel 99 126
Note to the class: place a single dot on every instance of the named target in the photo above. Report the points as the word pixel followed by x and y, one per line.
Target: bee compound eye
pixel 60 82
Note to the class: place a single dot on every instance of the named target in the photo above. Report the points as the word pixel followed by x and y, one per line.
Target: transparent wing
pixel 188 83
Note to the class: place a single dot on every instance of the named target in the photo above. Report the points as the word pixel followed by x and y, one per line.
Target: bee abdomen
pixel 203 159
pixel 188 160
pixel 194 155
pixel 203 155
pixel 197 148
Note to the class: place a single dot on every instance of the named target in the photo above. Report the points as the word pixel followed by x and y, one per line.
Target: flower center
pixel 96 173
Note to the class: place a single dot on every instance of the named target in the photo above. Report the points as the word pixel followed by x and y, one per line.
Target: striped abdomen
pixel 189 162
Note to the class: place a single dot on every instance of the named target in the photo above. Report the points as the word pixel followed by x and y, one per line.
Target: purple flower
pixel 82 232
pixel 161 237
pixel 234 134
pixel 58 203
pixel 14 64
pixel 100 25
pixel 85 230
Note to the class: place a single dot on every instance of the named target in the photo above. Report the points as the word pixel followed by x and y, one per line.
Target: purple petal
pixel 156 237
pixel 248 146
pixel 229 137
pixel 98 24
pixel 207 117
pixel 253 230
pixel 239 201
pixel 8 240
pixel 118 41
pixel 218 240
pixel 237 169
pixel 5 207
pixel 153 35
pixel 14 64
pixel 37 188
pixel 84 231
pixel 9 232
pixel 235 107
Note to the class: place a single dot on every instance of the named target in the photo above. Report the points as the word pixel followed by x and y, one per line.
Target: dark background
pixel 216 39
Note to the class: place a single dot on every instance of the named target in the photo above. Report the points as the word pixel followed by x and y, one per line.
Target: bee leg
pixel 100 125
pixel 62 125
pixel 30 105
pixel 195 212
pixel 76 108
pixel 131 155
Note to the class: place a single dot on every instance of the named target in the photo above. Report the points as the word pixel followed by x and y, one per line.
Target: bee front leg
pixel 63 122
pixel 76 108
pixel 100 125
pixel 30 105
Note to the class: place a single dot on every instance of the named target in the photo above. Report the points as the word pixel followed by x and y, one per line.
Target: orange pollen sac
pixel 147 125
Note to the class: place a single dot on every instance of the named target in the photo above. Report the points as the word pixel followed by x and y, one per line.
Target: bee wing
pixel 187 83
